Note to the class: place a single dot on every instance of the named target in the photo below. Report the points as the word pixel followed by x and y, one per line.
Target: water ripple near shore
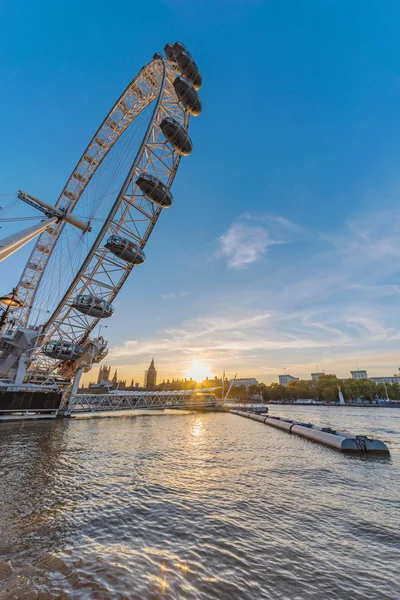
pixel 197 506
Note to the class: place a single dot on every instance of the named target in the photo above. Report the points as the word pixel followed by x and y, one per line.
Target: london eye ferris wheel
pixel 96 232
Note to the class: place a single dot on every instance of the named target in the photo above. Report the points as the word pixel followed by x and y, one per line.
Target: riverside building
pixel 316 376
pixel 360 374
pixel 286 379
pixel 246 382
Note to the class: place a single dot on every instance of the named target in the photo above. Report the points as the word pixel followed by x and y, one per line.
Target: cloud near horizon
pixel 334 307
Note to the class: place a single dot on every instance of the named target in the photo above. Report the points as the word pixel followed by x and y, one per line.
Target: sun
pixel 198 371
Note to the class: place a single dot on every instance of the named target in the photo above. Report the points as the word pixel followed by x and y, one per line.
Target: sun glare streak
pixel 198 371
pixel 183 567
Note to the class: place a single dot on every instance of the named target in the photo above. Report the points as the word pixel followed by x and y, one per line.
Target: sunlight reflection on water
pixel 197 506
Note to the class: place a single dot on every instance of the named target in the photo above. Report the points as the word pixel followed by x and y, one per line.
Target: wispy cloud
pixel 249 237
pixel 333 303
pixel 173 295
pixel 234 335
pixel 266 342
pixel 244 244
pixel 277 224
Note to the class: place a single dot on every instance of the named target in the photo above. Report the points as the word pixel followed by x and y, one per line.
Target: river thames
pixel 198 506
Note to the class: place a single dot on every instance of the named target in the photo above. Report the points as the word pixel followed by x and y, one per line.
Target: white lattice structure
pixel 101 222
pixel 92 403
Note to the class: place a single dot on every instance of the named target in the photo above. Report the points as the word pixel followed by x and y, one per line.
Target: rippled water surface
pixel 198 506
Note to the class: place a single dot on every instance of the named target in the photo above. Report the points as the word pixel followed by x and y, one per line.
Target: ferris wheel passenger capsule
pixel 188 96
pixel 62 350
pixel 187 65
pixel 70 195
pixel 126 250
pixel 34 267
pixel 155 189
pixel 179 47
pixel 93 306
pixel 177 136
pixel 169 53
pixel 42 248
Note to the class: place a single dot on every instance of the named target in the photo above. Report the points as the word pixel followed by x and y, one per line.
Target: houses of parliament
pixel 105 383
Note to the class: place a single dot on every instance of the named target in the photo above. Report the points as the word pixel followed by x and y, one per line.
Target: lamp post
pixel 8 303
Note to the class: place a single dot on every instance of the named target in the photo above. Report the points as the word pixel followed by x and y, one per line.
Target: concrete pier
pixel 344 442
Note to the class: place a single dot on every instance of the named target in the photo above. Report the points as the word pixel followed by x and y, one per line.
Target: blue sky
pixel 282 249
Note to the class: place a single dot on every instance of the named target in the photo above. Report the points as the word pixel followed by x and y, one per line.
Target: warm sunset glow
pixel 198 371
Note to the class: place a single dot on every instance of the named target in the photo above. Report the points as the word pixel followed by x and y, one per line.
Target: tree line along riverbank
pixel 325 389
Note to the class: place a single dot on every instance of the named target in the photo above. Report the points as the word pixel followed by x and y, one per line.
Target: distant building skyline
pixel 286 379
pixel 104 372
pixel 316 376
pixel 359 374
pixel 150 377
pixel 386 379
pixel 246 382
